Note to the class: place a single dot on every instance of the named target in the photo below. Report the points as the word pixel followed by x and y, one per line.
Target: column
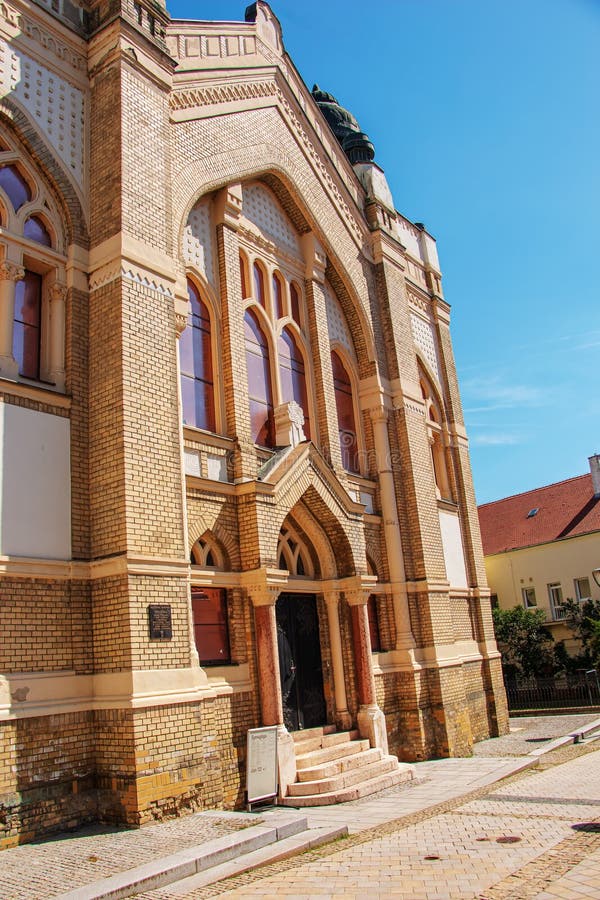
pixel 391 529
pixel 228 210
pixel 10 273
pixel 342 716
pixel 57 294
pixel 371 720
pixel 328 436
pixel 263 593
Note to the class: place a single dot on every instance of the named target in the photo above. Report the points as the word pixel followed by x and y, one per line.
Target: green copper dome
pixel 355 143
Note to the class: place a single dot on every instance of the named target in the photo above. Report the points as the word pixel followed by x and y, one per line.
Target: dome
pixel 355 143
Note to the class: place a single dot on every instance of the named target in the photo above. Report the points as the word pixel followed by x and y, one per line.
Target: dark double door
pixel 300 665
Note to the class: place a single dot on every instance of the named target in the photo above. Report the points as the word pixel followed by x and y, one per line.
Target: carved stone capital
pixel 57 292
pixel 378 414
pixel 264 585
pixel 11 271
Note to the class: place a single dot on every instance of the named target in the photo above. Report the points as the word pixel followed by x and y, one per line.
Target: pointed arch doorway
pixel 299 633
pixel 300 662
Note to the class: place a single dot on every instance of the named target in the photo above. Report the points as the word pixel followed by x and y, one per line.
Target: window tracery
pixel 32 276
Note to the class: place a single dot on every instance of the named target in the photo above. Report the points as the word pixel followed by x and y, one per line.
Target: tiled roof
pixel 565 509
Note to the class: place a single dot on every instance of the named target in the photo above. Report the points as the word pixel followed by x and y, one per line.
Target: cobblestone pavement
pixel 536 837
pixel 453 803
pixel 529 733
pixel 48 868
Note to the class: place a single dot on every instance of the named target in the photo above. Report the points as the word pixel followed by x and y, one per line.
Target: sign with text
pixel 261 764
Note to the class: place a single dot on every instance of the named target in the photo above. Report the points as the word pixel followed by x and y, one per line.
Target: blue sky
pixel 485 116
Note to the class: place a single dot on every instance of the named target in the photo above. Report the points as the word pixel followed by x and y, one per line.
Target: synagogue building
pixel 235 486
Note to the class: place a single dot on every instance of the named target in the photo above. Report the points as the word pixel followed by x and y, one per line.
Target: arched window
pixel 14 186
pixel 292 375
pixel 197 387
pixel 373 614
pixel 243 277
pixel 436 441
pixel 27 324
pixel 259 284
pixel 295 303
pixel 277 296
pixel 259 382
pixel 35 230
pixel 345 413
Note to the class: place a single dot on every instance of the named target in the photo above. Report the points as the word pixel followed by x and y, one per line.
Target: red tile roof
pixel 565 509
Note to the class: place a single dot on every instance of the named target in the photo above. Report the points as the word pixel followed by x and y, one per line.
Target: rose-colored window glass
pixel 26 326
pixel 243 277
pixel 211 632
pixel 373 623
pixel 292 375
pixel 259 382
pixel 195 353
pixel 259 284
pixel 278 296
pixel 345 414
pixel 14 186
pixel 295 303
pixel 35 230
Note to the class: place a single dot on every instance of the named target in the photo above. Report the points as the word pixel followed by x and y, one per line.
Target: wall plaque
pixel 261 764
pixel 159 621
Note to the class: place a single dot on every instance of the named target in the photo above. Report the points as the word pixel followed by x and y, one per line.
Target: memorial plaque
pixel 159 621
pixel 261 764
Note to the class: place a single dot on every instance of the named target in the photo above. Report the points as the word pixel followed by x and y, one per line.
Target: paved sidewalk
pixel 49 868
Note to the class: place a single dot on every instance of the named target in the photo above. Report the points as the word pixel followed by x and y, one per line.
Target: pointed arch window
pixel 277 296
pixel 260 393
pixel 345 412
pixel 259 284
pixel 243 277
pixel 35 230
pixel 197 386
pixel 292 375
pixel 15 186
pixel 436 441
pixel 295 303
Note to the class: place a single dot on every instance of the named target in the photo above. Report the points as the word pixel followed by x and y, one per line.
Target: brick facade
pixel 99 718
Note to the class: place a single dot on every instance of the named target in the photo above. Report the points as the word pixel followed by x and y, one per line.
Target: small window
pixel 27 325
pixel 211 629
pixel 555 596
pixel 582 588
pixel 373 615
pixel 243 279
pixel 529 600
pixel 533 512
pixel 259 284
pixel 277 296
pixel 295 304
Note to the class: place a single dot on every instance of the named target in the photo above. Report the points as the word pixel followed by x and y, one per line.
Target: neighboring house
pixel 235 480
pixel 543 546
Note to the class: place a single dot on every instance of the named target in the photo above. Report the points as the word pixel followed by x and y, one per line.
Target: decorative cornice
pixel 105 274
pixel 419 301
pixel 47 40
pixel 193 98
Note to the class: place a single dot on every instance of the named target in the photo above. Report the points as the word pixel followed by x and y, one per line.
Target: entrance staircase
pixel 337 766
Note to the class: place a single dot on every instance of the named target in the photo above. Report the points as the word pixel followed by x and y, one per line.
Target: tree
pixel 583 619
pixel 524 642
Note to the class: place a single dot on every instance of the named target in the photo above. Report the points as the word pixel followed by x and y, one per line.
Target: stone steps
pixel 326 754
pixel 345 764
pixel 345 779
pixel 338 766
pixel 403 773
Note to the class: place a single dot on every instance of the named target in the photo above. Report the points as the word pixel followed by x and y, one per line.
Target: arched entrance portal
pixel 302 626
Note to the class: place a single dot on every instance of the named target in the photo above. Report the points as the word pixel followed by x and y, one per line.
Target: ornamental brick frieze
pixel 106 274
pixel 45 39
pixel 225 93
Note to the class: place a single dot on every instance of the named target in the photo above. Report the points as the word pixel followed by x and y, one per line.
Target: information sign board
pixel 261 764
